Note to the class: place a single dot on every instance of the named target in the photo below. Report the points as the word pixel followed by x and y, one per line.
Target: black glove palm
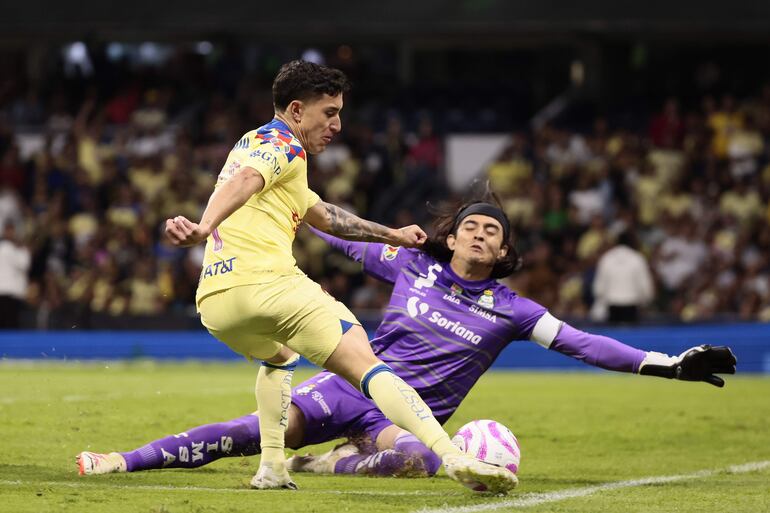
pixel 699 363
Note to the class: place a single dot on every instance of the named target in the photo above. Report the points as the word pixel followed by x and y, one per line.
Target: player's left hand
pixel 184 233
pixel 699 363
pixel 411 236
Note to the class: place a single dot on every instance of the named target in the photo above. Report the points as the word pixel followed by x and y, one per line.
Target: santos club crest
pixel 487 299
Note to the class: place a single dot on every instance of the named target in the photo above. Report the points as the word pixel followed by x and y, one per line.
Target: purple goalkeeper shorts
pixel 334 409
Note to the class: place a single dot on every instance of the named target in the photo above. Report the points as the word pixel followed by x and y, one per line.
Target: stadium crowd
pixel 88 172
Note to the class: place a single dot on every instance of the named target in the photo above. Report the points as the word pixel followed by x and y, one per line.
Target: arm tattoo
pixel 345 225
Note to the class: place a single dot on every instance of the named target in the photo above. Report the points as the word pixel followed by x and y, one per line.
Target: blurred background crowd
pixel 100 143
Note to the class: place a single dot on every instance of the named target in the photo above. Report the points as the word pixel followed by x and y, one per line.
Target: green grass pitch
pixel 577 431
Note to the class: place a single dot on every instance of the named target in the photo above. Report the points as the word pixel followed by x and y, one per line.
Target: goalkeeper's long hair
pixel 444 225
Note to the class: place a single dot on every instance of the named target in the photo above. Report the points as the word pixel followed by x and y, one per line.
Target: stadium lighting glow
pixel 77 52
pixel 313 55
pixel 204 47
pixel 76 57
pixel 150 52
pixel 577 72
pixel 115 51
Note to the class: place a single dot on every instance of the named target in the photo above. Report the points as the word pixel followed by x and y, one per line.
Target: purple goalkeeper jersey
pixel 440 333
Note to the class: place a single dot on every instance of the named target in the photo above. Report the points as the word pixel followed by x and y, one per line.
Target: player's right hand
pixel 699 363
pixel 184 233
pixel 411 236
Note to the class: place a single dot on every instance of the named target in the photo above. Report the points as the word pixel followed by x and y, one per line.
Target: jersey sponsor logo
pixel 319 398
pixel 389 253
pixel 483 313
pixel 412 399
pixel 487 299
pixel 228 171
pixel 454 291
pixel 429 279
pixel 451 298
pixel 305 390
pixel 268 157
pixel 221 267
pixel 416 307
pixel 454 327
pixel 285 400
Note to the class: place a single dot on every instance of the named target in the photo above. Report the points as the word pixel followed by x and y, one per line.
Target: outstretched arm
pixel 341 223
pixel 354 250
pixel 699 363
pixel 381 261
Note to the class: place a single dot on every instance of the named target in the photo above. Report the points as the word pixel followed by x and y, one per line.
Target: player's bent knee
pixel 283 358
pixel 352 357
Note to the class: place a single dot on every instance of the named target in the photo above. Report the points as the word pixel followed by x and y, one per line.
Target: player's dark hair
pixel 445 224
pixel 302 80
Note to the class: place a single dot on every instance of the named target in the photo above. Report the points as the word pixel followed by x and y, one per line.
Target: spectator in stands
pixel 667 127
pixel 623 281
pixel 511 168
pixel 15 261
pixel 724 123
pixel 679 256
pixel 108 159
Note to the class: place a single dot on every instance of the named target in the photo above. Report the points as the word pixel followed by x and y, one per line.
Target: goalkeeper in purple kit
pixel 447 321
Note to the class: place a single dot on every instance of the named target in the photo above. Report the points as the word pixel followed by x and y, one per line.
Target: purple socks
pixel 198 446
pixel 409 457
pixel 240 437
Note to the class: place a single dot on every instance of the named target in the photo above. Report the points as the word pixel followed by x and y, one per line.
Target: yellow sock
pixel 273 391
pixel 406 409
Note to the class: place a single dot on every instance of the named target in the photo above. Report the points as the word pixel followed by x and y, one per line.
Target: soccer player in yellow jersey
pixel 252 297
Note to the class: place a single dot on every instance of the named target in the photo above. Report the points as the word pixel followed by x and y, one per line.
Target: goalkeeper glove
pixel 698 363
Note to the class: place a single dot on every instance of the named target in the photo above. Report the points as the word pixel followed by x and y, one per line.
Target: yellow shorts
pixel 255 320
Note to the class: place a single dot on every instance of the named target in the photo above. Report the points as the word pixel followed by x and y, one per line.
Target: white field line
pixel 535 499
pixel 79 398
pixel 172 488
pixel 521 502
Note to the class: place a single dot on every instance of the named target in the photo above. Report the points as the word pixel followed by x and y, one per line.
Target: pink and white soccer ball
pixel 491 442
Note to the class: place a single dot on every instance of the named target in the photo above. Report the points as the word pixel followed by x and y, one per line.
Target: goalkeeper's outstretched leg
pixel 193 448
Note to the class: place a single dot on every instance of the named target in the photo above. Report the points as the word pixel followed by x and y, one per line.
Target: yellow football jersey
pixel 253 245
